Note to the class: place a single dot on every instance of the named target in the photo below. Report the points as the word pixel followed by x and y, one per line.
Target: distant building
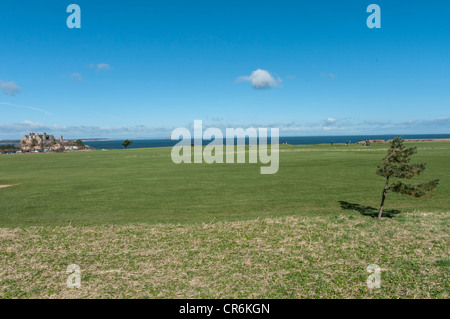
pixel 38 142
pixel 48 143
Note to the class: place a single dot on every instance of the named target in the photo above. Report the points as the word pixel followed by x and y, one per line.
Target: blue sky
pixel 141 68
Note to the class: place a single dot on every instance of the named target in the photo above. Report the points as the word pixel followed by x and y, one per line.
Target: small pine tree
pixel 397 164
pixel 126 143
pixel 79 143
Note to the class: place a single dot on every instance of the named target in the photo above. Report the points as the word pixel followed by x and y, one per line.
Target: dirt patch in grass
pixel 314 257
pixel 4 186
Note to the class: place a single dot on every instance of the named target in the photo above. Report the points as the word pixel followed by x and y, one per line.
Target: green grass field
pixel 144 186
pixel 140 226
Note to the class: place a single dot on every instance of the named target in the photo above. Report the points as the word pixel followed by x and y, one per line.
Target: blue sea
pixel 294 140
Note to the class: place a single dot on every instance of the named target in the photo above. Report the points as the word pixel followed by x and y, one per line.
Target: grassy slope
pixel 144 186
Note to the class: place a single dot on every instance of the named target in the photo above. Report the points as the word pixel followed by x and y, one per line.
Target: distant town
pixel 42 143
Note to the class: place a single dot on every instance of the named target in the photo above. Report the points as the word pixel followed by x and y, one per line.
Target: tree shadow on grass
pixel 368 210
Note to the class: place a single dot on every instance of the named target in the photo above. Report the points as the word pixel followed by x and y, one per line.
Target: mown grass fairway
pixel 140 226
pixel 144 186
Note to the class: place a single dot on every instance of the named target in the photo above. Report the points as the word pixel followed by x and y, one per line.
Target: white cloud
pixel 17 130
pixel 101 66
pixel 77 76
pixel 261 79
pixel 331 75
pixel 329 126
pixel 10 88
pixel 31 124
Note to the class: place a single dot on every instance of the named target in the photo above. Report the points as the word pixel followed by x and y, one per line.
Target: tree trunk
pixel 383 197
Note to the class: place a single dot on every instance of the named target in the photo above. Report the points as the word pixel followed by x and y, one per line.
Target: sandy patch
pixel 3 186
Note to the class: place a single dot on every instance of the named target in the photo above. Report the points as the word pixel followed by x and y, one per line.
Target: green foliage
pixel 397 161
pixel 79 143
pixel 8 147
pixel 127 143
pixel 417 190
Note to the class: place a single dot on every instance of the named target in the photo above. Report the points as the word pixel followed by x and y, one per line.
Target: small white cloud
pixel 32 124
pixel 331 75
pixel 10 88
pixel 100 66
pixel 261 79
pixel 77 76
pixel 103 67
pixel 329 124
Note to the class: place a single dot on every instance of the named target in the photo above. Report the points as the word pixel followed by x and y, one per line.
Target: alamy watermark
pixel 374 280
pixel 74 19
pixel 74 279
pixel 213 152
pixel 374 19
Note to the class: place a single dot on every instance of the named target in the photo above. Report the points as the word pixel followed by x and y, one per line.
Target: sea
pixel 293 140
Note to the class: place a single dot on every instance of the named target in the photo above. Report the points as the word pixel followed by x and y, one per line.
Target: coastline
pixel 111 144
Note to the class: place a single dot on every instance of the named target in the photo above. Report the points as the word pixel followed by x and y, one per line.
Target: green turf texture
pixel 144 186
